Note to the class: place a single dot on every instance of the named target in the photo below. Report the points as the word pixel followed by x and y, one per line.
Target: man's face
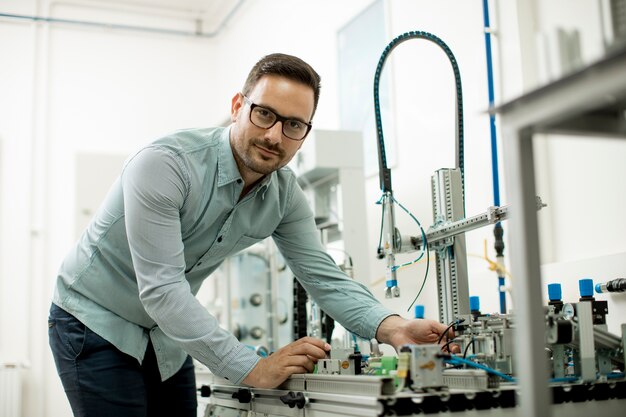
pixel 260 151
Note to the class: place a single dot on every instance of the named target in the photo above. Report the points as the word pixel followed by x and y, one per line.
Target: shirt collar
pixel 227 170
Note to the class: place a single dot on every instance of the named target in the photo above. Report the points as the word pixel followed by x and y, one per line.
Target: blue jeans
pixel 101 381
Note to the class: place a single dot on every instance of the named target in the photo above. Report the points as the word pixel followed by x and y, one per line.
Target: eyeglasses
pixel 264 118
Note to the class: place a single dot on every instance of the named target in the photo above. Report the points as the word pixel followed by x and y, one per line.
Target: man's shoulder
pixel 189 140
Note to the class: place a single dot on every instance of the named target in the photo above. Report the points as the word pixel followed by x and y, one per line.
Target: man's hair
pixel 287 66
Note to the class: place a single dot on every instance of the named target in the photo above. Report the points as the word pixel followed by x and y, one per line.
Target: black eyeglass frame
pixel 279 118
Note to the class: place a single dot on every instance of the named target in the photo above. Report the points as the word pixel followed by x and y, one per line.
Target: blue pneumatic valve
pixel 586 288
pixel 474 303
pixel 554 292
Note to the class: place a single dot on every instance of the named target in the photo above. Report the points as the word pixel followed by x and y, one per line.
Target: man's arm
pixel 345 300
pixel 155 188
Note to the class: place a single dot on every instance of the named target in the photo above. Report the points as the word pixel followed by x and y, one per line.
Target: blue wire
pixel 356 344
pixel 424 251
pixel 612 375
pixel 425 277
pixel 396 267
pixel 455 360
pixel 382 221
pixel 424 246
pixel 565 379
pixel 260 353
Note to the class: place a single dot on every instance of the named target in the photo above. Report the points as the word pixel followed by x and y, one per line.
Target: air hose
pixel 384 171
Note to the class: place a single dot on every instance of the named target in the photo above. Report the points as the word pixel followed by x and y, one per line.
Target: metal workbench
pixel 363 396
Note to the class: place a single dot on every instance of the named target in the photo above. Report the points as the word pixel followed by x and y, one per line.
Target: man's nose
pixel 275 133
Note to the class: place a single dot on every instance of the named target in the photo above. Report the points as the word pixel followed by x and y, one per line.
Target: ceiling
pixel 211 13
pixel 191 6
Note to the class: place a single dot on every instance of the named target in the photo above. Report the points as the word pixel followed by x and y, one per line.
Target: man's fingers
pixel 307 349
pixel 450 347
pixel 312 341
pixel 301 361
pixel 295 358
pixel 298 357
pixel 296 370
pixel 442 328
pixel 289 361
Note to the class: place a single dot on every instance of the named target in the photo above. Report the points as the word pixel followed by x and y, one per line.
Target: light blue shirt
pixel 168 222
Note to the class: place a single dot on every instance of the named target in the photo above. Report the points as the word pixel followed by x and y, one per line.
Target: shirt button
pixel 239 181
pixel 219 239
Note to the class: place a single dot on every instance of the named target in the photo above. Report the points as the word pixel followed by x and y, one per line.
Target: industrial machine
pixel 586 362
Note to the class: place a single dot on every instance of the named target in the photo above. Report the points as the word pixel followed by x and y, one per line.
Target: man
pixel 124 318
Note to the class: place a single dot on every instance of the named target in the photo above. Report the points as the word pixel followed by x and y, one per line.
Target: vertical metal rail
pixel 452 282
pixel 272 297
pixel 532 367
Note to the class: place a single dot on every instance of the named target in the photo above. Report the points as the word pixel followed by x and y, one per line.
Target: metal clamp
pixel 294 399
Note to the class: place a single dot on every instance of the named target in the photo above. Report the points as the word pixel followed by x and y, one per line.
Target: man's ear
pixel 235 107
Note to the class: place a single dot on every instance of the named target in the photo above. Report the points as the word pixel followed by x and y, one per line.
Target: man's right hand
pixel 298 357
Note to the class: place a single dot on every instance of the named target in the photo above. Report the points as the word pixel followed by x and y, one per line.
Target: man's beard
pixel 251 156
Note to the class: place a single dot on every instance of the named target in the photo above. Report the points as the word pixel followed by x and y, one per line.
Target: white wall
pixel 16 108
pixel 74 89
pixel 68 90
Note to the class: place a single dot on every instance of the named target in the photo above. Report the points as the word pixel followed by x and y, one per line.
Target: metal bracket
pixel 441 234
pixel 294 399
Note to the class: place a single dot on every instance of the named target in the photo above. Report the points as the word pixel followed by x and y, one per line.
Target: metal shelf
pixel 591 101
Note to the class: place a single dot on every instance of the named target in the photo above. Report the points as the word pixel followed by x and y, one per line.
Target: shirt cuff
pixel 375 317
pixel 238 364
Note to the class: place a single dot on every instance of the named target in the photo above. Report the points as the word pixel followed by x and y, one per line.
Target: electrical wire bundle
pixel 423 252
